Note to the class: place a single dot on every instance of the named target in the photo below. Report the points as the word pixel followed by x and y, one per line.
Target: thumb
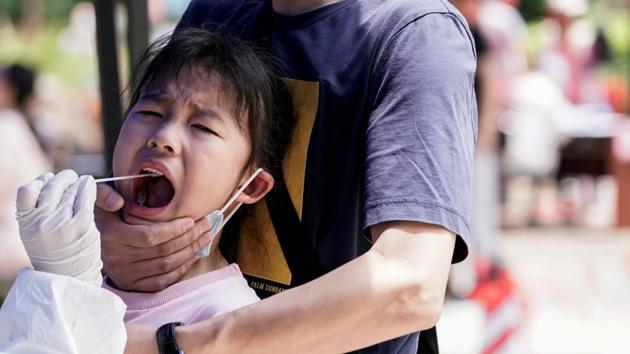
pixel 108 199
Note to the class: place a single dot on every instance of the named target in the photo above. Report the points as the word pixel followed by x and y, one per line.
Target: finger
pixel 169 247
pixel 28 194
pixel 148 236
pixel 108 199
pixel 54 189
pixel 159 282
pixel 69 196
pixel 46 176
pixel 162 265
pixel 86 196
pixel 151 268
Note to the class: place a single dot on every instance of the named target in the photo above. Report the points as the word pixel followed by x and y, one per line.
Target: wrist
pixel 207 336
pixel 189 338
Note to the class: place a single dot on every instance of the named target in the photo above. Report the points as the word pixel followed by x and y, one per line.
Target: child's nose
pixel 165 140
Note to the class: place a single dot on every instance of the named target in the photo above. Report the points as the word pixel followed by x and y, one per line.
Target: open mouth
pixel 153 192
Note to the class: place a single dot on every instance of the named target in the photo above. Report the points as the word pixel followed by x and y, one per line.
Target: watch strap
pixel 166 341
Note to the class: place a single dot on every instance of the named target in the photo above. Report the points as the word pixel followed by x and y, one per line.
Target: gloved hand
pixel 56 218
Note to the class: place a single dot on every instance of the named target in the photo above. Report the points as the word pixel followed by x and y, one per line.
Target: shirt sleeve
pixel 422 128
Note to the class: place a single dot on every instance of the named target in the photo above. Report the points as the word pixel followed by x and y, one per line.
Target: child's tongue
pixel 156 192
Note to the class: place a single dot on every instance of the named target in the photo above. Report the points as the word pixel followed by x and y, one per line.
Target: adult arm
pixel 397 287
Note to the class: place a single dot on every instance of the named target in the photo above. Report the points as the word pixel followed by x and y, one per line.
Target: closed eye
pixel 150 113
pixel 204 129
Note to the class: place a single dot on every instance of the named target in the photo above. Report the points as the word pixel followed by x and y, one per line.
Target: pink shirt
pixel 189 301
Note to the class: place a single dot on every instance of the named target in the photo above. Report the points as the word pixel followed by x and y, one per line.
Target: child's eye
pixel 204 129
pixel 150 113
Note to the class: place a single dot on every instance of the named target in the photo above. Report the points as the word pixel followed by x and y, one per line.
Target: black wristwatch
pixel 166 341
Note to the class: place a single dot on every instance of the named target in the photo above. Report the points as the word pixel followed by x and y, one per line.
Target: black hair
pixel 22 80
pixel 262 101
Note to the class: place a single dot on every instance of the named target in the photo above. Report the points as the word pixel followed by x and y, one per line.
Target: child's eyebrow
pixel 159 98
pixel 209 112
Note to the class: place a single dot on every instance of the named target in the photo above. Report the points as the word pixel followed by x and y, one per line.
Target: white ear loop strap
pixel 230 215
pixel 238 192
pixel 219 213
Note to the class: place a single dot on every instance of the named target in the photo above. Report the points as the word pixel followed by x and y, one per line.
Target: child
pixel 205 114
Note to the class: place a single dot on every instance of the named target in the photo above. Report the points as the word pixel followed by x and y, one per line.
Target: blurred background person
pixel 22 159
pixel 500 35
pixel 572 50
pixel 574 53
pixel 501 38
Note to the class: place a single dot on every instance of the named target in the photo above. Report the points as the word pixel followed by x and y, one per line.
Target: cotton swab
pixel 119 178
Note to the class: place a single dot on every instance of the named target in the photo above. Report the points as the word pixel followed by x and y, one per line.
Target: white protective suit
pixel 49 313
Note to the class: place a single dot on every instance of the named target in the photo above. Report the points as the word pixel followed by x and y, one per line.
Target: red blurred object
pixel 618 94
pixel 505 308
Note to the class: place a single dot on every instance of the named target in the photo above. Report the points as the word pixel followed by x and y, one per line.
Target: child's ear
pixel 257 189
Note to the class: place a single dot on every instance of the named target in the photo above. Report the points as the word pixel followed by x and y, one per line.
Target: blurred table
pixel 605 151
pixel 620 156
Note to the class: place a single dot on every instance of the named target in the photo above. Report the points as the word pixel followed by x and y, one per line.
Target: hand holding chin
pixel 146 257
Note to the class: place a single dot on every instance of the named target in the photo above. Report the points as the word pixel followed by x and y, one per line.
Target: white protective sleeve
pixel 49 313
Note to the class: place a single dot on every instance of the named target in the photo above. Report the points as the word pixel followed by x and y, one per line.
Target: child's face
pixel 185 129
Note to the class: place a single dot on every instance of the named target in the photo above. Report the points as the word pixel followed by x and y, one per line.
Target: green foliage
pixel 42 51
pixel 532 10
pixel 618 34
pixel 618 31
pixel 59 9
pixel 56 11
pixel 13 8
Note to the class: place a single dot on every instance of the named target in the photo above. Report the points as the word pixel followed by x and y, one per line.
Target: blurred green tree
pixel 54 11
pixel 532 10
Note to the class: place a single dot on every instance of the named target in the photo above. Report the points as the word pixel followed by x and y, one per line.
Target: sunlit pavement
pixel 577 286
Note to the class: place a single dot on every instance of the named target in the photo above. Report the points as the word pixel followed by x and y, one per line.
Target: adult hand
pixel 146 257
pixel 55 214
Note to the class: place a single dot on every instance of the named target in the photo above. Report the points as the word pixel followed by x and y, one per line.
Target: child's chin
pixel 130 218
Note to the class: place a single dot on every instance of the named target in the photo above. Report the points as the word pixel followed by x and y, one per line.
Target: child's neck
pixel 206 265
pixel 213 261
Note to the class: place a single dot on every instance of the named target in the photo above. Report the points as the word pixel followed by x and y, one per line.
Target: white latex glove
pixel 56 218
